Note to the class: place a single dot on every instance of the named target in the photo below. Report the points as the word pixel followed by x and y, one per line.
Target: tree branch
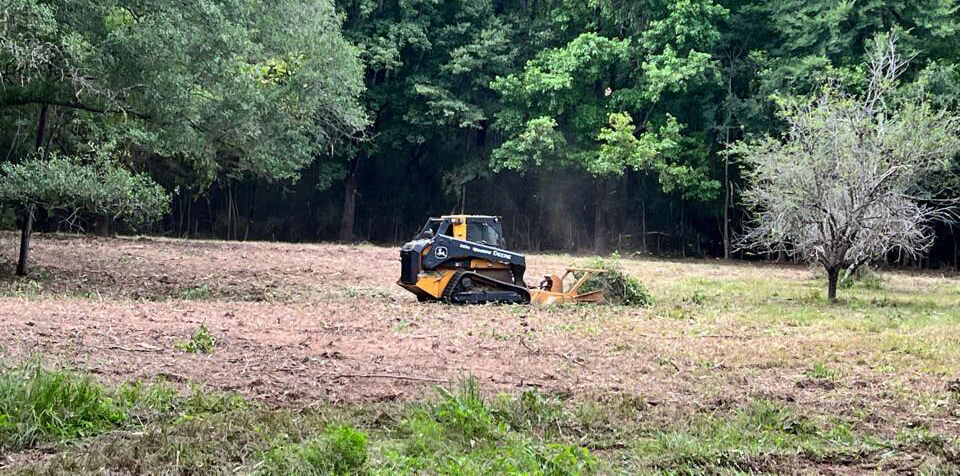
pixel 72 105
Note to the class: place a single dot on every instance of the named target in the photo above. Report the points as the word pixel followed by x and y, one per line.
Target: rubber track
pixel 455 282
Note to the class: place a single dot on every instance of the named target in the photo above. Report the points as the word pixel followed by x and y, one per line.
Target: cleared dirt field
pixel 301 324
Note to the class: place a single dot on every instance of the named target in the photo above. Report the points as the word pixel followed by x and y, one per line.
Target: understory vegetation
pixel 154 427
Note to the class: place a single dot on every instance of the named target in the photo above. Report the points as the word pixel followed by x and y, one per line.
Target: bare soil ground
pixel 302 323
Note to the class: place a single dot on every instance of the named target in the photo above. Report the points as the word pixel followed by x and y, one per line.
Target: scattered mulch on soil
pixel 304 323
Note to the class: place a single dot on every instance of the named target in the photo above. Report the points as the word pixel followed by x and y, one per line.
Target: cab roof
pixel 461 217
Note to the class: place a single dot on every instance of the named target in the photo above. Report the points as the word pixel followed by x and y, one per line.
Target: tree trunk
pixel 186 233
pixel 102 227
pixel 23 262
pixel 683 229
pixel 643 223
pixel 833 276
pixel 23 266
pixel 599 232
pixel 180 208
pixel 956 252
pixel 727 192
pixel 213 222
pixel 348 218
pixel 229 193
pixel 250 214
pixel 727 188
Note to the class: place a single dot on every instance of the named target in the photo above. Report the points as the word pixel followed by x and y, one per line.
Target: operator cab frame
pixel 486 230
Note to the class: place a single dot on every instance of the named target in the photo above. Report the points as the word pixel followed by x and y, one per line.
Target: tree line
pixel 596 125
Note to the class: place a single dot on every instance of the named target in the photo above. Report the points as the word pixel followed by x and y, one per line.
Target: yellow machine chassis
pixel 432 284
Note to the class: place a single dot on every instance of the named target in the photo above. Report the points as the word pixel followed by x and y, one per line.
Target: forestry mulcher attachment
pixel 463 259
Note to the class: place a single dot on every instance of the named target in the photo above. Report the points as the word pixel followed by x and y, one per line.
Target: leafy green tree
pixel 428 69
pixel 488 106
pixel 814 40
pixel 573 106
pixel 790 47
pixel 224 87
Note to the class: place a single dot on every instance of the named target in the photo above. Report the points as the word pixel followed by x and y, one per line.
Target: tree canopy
pixel 598 124
pixel 191 93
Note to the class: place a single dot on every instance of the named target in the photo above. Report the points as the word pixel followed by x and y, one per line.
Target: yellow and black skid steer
pixel 463 259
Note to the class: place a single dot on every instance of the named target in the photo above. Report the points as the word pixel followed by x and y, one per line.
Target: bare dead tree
pixel 855 177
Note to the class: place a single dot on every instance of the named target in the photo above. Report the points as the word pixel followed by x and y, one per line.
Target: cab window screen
pixel 443 228
pixel 432 226
pixel 481 232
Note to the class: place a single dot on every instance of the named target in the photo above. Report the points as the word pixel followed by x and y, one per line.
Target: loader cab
pixel 485 230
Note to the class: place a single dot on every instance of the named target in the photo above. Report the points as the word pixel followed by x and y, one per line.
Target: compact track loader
pixel 463 259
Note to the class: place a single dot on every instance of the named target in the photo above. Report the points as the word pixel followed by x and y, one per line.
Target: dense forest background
pixel 518 108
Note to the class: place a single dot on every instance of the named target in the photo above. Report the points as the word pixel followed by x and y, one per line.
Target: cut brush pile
pixel 619 288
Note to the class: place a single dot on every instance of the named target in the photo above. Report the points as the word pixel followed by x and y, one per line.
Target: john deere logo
pixel 441 252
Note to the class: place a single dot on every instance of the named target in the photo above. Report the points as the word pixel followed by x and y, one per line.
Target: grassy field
pixel 159 356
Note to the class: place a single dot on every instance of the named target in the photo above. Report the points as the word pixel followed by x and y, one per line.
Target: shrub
pixel 465 412
pixel 618 287
pixel 201 342
pixel 157 397
pixel 820 371
pixel 865 277
pixel 195 293
pixel 347 449
pixel 341 450
pixel 463 434
pixel 560 459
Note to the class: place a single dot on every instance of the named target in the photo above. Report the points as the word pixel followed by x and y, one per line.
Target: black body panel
pixel 447 250
pixel 410 265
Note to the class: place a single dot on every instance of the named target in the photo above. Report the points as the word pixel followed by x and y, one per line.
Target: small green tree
pixel 82 186
pixel 855 177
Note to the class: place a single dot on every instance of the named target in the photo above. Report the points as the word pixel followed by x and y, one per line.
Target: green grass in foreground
pixel 38 406
pixel 42 406
pixel 152 428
